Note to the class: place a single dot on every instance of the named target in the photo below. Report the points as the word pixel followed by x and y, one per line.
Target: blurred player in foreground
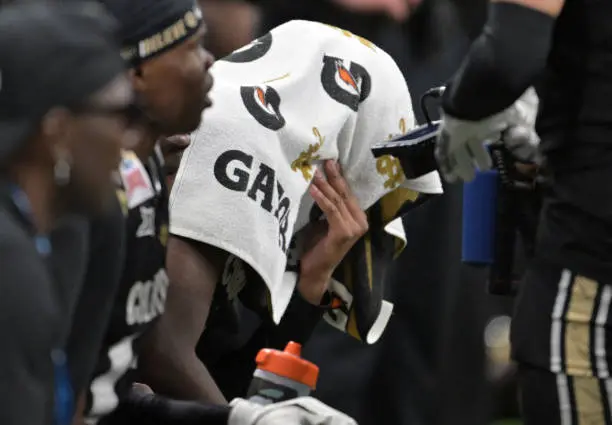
pixel 60 144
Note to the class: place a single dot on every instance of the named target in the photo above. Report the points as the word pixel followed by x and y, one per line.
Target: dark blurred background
pixel 443 359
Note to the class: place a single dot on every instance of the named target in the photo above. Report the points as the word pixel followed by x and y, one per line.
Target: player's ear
pixel 55 127
pixel 136 75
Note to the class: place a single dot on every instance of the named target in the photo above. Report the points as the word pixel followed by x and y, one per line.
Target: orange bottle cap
pixel 289 364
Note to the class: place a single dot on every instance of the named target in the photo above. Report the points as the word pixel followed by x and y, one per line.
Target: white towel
pixel 303 93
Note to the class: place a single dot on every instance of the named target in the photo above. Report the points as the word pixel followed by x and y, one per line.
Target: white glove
pixel 461 146
pixel 521 138
pixel 297 411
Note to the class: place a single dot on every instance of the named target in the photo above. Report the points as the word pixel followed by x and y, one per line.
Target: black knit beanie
pixel 150 27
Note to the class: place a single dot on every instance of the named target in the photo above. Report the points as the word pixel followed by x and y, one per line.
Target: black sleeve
pixel 502 63
pixel 30 326
pixel 152 409
pixel 95 302
pixel 298 323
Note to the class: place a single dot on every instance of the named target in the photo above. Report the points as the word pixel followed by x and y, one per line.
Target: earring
pixel 61 172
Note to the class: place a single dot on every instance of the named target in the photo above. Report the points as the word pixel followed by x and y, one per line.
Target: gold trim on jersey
pixel 578 318
pixel 578 337
pixel 583 400
pixel 588 401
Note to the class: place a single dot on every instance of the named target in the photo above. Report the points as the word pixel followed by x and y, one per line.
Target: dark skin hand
pixel 333 238
pixel 172 148
pixel 194 269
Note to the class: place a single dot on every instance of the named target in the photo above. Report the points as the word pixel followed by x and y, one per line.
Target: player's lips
pixel 207 102
pixel 208 83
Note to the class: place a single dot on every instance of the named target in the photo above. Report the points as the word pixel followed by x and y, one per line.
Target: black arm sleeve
pixel 152 409
pixel 298 323
pixel 502 63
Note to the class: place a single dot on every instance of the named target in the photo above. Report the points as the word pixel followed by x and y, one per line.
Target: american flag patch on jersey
pixel 135 180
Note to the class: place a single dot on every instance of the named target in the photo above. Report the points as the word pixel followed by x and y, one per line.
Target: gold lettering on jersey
pixel 349 34
pixel 303 162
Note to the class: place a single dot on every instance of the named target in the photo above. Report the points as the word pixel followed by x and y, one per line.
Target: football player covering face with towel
pixel 194 268
pixel 561 326
pixel 263 172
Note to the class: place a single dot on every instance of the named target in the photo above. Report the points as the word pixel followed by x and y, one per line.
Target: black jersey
pixel 142 292
pixel 575 118
pixel 562 321
pixel 575 126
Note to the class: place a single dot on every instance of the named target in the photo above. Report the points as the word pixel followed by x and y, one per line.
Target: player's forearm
pixel 172 368
pixel 502 63
pixel 200 383
pixel 187 378
pixel 169 360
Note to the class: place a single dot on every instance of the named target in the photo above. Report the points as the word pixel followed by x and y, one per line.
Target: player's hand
pixel 172 149
pixel 331 239
pixel 176 143
pixel 301 410
pixel 461 147
pixel 521 138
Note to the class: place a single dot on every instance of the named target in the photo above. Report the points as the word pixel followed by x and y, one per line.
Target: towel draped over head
pixel 301 94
